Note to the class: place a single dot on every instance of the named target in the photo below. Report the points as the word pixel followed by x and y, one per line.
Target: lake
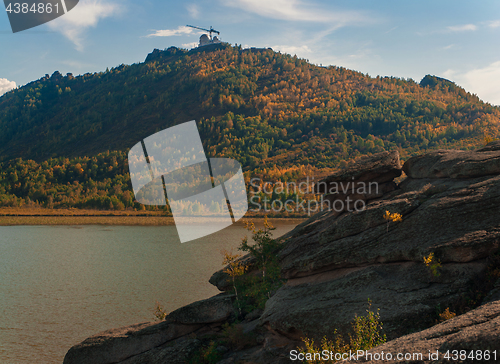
pixel 62 284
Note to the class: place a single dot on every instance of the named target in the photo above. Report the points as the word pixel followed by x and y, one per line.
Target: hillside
pixel 279 115
pixel 249 104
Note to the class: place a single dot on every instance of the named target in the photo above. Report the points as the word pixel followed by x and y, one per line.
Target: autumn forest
pixel 64 139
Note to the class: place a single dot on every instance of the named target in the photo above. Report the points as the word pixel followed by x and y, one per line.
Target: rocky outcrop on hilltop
pixel 336 261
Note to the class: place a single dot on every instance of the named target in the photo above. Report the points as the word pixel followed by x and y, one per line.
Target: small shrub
pixel 207 355
pixel 367 331
pixel 433 264
pixel 395 217
pixel 252 291
pixel 236 338
pixel 257 290
pixel 265 246
pixel 366 334
pixel 234 268
pixel 488 139
pixel 159 312
pixel 446 315
pixel 333 346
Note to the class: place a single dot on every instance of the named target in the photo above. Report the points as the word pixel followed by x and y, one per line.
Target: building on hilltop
pixel 205 39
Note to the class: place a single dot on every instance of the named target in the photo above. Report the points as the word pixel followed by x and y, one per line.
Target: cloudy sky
pixel 455 39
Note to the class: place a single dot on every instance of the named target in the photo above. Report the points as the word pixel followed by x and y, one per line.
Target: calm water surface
pixel 61 284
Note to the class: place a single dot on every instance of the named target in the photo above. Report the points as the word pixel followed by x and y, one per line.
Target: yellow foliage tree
pixel 234 268
pixel 395 217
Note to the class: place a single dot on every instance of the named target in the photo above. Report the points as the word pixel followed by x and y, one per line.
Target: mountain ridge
pixel 228 91
pixel 65 139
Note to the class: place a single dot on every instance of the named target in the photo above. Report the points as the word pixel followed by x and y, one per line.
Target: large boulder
pixel 456 220
pixel 177 352
pixel 334 264
pixel 380 167
pixel 490 147
pixel 368 178
pixel 153 342
pixel 373 173
pixel 223 281
pixel 118 345
pixel 406 293
pixel 215 309
pixel 455 163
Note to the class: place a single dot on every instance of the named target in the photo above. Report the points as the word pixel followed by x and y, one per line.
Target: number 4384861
pixel 471 354
pixel 36 8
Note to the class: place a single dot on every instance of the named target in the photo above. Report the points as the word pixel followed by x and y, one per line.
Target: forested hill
pixel 254 105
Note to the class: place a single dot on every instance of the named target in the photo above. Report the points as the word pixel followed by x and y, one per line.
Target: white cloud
pixel 193 10
pixel 86 14
pixel 449 46
pixel 450 75
pixel 190 45
pixel 295 10
pixel 300 51
pixel 6 85
pixel 172 32
pixel 390 30
pixel 462 28
pixel 481 81
pixel 494 24
pixel 77 64
pixel 484 82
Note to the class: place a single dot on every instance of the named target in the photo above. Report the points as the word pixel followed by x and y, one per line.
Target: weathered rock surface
pixel 380 167
pixel 215 309
pixel 494 294
pixel 177 352
pixel 477 330
pixel 118 345
pixel 455 163
pixel 153 342
pixel 334 264
pixel 368 178
pixel 406 293
pixel 335 261
pixel 468 228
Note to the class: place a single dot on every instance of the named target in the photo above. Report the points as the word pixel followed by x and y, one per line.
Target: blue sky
pixel 458 40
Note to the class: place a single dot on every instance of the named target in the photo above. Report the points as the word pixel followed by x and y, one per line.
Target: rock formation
pixel 338 260
pixel 369 178
pixel 334 264
pixel 155 342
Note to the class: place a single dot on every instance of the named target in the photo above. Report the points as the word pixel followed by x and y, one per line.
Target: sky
pixel 458 40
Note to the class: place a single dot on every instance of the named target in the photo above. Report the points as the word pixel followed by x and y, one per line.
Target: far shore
pixel 10 216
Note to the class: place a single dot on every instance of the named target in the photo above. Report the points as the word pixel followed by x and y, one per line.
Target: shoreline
pixel 41 216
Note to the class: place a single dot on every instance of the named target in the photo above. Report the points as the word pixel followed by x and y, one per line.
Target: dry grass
pixel 86 220
pixel 40 211
pixel 41 216
pixel 10 216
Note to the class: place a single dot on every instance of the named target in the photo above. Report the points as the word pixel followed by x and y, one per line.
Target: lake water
pixel 61 284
